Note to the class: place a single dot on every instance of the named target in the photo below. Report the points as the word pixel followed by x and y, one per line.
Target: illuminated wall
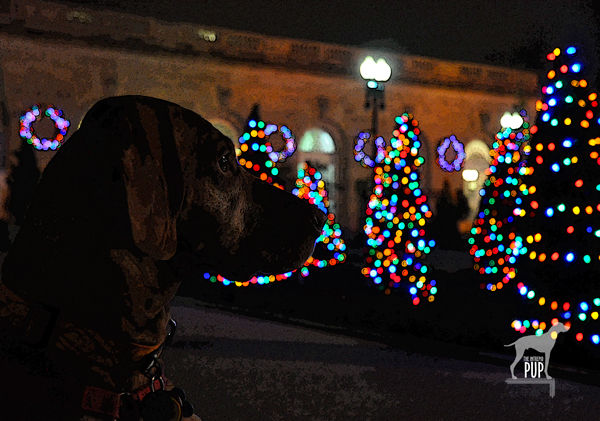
pixel 79 56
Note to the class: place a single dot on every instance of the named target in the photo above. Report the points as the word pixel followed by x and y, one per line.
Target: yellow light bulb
pixel 532 255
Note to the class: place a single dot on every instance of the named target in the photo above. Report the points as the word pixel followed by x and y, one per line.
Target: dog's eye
pixel 224 164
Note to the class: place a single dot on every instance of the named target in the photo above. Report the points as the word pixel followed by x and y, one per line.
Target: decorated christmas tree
pixel 329 247
pixel 558 217
pixel 256 152
pixel 496 245
pixel 397 213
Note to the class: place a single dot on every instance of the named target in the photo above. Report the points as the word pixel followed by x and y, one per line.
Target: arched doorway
pixel 478 159
pixel 318 149
pixel 227 129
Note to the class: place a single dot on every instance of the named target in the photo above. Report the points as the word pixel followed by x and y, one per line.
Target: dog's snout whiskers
pixel 318 221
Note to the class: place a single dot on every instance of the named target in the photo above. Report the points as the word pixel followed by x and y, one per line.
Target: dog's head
pixel 559 328
pixel 187 192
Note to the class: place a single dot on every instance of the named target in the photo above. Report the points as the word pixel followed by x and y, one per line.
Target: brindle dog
pixel 141 192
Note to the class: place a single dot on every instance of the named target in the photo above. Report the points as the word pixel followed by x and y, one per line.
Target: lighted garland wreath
pixel 458 147
pixel 290 143
pixel 359 154
pixel 26 130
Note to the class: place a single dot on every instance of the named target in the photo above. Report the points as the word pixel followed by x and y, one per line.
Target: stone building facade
pixel 71 57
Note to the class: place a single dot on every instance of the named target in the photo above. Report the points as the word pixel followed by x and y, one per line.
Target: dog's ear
pixel 151 168
pixel 153 180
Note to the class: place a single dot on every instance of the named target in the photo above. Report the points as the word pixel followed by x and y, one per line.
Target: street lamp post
pixel 375 73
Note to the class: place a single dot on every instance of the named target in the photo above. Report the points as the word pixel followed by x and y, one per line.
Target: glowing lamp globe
pixel 379 71
pixel 470 175
pixel 513 121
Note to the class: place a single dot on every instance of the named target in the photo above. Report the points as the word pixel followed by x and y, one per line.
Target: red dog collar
pixel 106 402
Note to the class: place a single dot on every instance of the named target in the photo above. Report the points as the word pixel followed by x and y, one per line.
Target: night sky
pixel 513 33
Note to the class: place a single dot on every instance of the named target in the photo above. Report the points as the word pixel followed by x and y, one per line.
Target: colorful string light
pixel 60 123
pixel 396 214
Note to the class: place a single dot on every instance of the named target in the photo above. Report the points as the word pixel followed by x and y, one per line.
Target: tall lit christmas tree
pixel 256 151
pixel 329 247
pixel 558 218
pixel 496 245
pixel 397 213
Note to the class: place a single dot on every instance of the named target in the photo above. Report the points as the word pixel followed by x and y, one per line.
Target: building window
pixel 318 149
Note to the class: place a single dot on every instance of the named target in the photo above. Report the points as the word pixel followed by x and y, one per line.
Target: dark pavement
pixel 240 368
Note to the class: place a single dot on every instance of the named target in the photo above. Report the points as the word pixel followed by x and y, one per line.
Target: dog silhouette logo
pixel 543 343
